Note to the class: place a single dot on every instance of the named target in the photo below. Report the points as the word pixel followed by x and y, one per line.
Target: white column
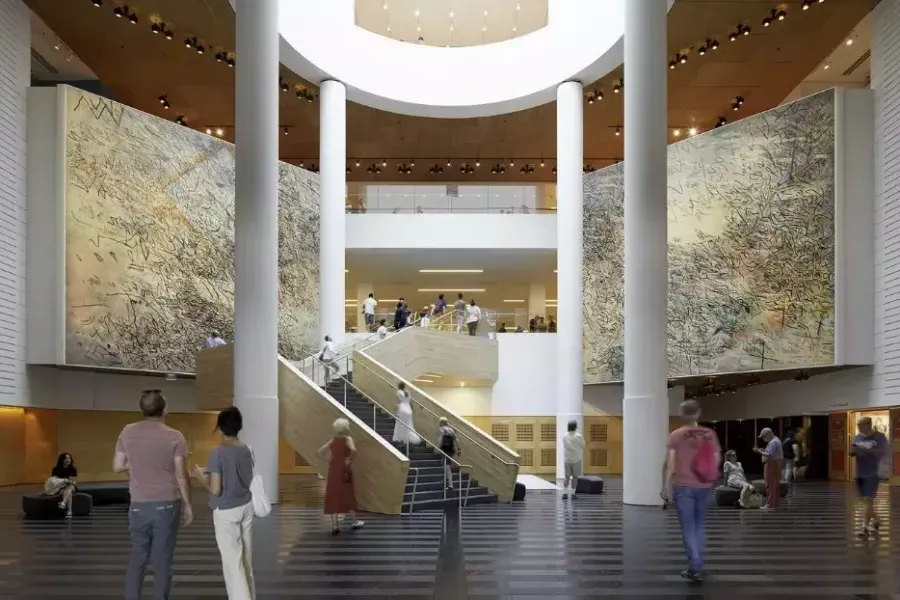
pixel 362 292
pixel 256 232
pixel 645 408
pixel 537 300
pixel 569 191
pixel 332 232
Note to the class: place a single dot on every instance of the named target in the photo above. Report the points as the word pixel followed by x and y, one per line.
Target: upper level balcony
pixel 451 216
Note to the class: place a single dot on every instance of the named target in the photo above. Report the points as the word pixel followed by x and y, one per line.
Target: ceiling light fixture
pixel 713 45
pixel 732 36
pixel 356 163
pixel 514 301
pixel 702 50
pixel 588 168
pixel 827 66
pixel 849 41
pixel 744 29
pixel 682 58
pixel 676 133
pixel 806 4
pixel 181 120
pixel 618 131
pixel 781 15
pixel 97 3
pixel 133 18
pixel 208 131
pixel 440 290
pixel 672 65
pixel 466 169
pixel 404 169
pixel 512 163
pixel 721 122
pixel 435 169
pixel 692 131
pixel 169 34
pixel 617 86
pixel 477 163
pixel 372 169
pixel 498 169
pixel 220 132
pixel 285 130
pixel 526 169
pixel 451 270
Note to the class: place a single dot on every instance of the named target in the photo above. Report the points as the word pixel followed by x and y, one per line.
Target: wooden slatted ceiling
pixel 763 68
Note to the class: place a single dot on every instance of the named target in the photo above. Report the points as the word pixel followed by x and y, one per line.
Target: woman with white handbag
pixel 232 483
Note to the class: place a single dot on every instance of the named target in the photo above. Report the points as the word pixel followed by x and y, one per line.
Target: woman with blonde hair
pixel 340 497
pixel 735 478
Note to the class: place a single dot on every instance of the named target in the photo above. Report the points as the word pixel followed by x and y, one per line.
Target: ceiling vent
pixel 859 61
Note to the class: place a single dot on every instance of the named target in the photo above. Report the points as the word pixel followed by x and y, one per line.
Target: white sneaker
pixel 358 524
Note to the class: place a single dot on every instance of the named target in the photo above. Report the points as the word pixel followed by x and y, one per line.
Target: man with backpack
pixel 692 466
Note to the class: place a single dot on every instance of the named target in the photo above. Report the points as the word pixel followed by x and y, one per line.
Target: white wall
pixel 885 384
pixel 464 401
pixel 15 72
pixel 451 231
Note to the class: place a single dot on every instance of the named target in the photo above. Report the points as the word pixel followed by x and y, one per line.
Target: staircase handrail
pixel 328 372
pixel 492 453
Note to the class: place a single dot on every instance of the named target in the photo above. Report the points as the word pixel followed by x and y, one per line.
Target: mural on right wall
pixel 751 248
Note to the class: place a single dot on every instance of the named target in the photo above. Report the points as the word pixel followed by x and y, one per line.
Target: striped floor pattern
pixel 543 548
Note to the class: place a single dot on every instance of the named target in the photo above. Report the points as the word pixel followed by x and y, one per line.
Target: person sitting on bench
pixel 62 482
pixel 735 478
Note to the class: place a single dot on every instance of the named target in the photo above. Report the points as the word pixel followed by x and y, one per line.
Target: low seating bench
pixel 760 486
pixel 726 495
pixel 110 492
pixel 589 484
pixel 41 506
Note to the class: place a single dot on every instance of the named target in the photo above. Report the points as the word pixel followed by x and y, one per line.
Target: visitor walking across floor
pixel 692 461
pixel 573 456
pixel 772 457
pixel 153 454
pixel 870 448
pixel 227 478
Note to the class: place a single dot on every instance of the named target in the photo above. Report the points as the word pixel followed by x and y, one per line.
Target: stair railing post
pixel 460 487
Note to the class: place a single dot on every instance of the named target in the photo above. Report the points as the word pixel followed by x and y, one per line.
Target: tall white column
pixel 537 300
pixel 645 408
pixel 256 232
pixel 332 229
pixel 362 292
pixel 569 191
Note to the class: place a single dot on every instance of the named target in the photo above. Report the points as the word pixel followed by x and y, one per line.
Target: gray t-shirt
pixel 460 307
pixel 235 465
pixel 872 449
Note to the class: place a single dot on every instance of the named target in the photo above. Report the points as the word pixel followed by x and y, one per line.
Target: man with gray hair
pixel 153 454
pixel 693 451
pixel 772 457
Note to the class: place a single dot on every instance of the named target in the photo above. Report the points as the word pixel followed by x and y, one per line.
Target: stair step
pixel 449 503
pixel 440 494
pixel 433 478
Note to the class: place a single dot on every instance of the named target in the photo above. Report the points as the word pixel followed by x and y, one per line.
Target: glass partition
pixel 452 198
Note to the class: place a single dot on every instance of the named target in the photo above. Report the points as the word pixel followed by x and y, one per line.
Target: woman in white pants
pixel 227 478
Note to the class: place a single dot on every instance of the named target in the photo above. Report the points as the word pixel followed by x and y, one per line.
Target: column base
pixel 262 433
pixel 645 429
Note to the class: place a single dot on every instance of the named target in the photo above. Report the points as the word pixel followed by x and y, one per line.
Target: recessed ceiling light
pixel 439 290
pixel 827 66
pixel 451 270
pixel 677 133
pixel 849 41
pixel 692 131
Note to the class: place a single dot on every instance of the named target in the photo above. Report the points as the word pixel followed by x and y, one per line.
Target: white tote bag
pixel 261 505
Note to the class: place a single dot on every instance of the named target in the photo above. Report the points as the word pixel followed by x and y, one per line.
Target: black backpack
pixel 787 449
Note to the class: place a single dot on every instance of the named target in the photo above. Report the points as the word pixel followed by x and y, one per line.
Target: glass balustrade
pixel 431 199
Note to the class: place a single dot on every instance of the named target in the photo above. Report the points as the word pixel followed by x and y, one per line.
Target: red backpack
pixel 704 466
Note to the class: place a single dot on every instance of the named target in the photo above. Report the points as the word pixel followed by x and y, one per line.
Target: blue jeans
pixel 691 503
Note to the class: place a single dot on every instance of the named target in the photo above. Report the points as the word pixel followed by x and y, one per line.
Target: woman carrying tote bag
pixel 229 479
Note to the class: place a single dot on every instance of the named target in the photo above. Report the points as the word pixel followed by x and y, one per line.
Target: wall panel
pixel 41 447
pixel 12 445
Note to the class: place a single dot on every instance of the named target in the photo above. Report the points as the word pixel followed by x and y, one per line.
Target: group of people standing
pixel 688 478
pixel 465 313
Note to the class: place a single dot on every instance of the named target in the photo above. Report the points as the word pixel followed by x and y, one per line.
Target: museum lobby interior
pixel 648 202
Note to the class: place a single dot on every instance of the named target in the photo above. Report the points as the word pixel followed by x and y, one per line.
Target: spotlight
pixel 404 169
pixel 436 169
pixel 190 42
pixel 527 169
pixel 383 163
pixel 229 61
pixel 735 106
pixel 849 41
pixel 682 58
pixel 220 132
pixel 314 168
pixel 767 21
pixel 477 163
pixel 677 133
pixel 553 170
pixel 781 15
pixel 672 64
pixel 692 131
pixel 466 169
pixel 714 45
pixel 806 4
pixel 587 168
pixel 542 163
pixel 220 56
pixel 120 11
pixel 498 169
pixel 618 131
pixel 169 34
pixel 512 163
pixel 200 49
pixel 356 163
pixel 285 129
pixel 156 28
pixel 449 163
pixel 744 29
pixel 373 169
pixel 97 3
pixel 702 50
pixel 349 170
pixel 617 87
pixel 739 100
pixel 412 162
pixel 162 99
pixel 284 86
pixel 133 18
pixel 181 120
pixel 732 36
pixel 208 131
pixel 721 122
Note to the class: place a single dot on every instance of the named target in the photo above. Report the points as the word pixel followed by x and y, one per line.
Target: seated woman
pixel 735 478
pixel 62 482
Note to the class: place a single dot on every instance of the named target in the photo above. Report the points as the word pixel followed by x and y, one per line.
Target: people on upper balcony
pixel 368 308
pixel 62 482
pixel 551 325
pixel 440 306
pixel 473 316
pixel 399 319
pixel 214 340
pixel 502 328
pixel 382 331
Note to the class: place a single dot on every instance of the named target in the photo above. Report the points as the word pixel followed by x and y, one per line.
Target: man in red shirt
pixel 690 494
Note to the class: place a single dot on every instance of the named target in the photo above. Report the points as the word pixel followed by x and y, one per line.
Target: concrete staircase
pixel 430 493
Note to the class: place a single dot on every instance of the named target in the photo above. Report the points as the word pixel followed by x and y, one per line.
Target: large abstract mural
pixel 751 248
pixel 150 241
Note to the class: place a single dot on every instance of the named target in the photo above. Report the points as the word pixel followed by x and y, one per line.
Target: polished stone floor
pixel 543 548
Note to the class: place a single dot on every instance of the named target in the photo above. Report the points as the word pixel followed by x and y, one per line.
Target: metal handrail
pixel 428 410
pixel 412 501
pixel 460 466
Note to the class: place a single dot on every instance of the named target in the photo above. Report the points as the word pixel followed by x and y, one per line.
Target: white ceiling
pixel 847 66
pixel 474 22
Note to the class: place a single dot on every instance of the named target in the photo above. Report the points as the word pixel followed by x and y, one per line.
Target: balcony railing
pixel 430 199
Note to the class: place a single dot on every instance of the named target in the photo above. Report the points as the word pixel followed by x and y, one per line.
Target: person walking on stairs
pixel 327 357
pixel 573 455
pixel 692 466
pixel 772 457
pixel 459 312
pixel 870 448
pixel 449 445
pixel 404 431
pixel 473 316
pixel 340 497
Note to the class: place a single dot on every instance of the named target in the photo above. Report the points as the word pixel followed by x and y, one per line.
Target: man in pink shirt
pixel 153 454
pixel 690 494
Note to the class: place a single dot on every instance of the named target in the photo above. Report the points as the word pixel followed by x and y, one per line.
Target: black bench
pixel 727 496
pixel 589 484
pixel 110 492
pixel 760 486
pixel 41 506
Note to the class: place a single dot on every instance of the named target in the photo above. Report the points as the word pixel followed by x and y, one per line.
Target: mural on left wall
pixel 150 241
